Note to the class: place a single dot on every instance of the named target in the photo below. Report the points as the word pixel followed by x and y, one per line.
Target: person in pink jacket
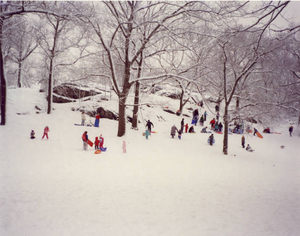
pixel 46 130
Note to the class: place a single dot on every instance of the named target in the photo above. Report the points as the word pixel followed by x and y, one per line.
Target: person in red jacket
pixel 97 144
pixel 101 141
pixel 212 123
pixel 85 139
pixel 46 130
pixel 186 127
pixel 97 120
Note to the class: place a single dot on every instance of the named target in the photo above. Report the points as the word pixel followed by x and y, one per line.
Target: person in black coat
pixel 211 139
pixel 149 124
pixel 291 130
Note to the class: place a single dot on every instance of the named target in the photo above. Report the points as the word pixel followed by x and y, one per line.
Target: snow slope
pixel 161 186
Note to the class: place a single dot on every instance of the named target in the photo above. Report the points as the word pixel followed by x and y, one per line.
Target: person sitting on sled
pixel 191 130
pixel 267 130
pixel 249 149
pixel 204 130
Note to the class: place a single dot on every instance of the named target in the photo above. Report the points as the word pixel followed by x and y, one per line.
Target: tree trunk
pixel 122 118
pixel 237 103
pixel 50 83
pixel 2 80
pixel 19 74
pixel 226 126
pixel 136 106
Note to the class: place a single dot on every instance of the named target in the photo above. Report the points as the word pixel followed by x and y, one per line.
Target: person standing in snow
pixel 85 139
pixel 201 120
pixel 32 134
pixel 220 127
pixel 46 130
pixel 217 116
pixel 211 139
pixel 212 123
pixel 182 125
pixel 97 143
pixel 243 141
pixel 186 127
pixel 173 131
pixel 291 130
pixel 83 118
pixel 101 139
pixel 97 120
pixel 205 115
pixel 149 124
pixel 179 134
pixel 147 133
pixel 255 131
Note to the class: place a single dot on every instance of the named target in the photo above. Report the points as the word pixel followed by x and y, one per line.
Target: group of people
pixel 215 125
pixel 97 119
pixel 99 141
pixel 248 148
pixel 196 117
pixel 46 131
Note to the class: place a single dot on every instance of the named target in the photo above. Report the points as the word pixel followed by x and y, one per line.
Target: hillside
pixel 160 186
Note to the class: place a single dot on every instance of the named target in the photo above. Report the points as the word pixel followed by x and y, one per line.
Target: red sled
pixel 90 143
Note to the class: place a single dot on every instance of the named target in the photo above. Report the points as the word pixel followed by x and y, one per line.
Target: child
pixel 186 127
pixel 32 134
pixel 101 141
pixel 204 130
pixel 97 143
pixel 147 133
pixel 179 134
pixel 249 149
pixel 46 130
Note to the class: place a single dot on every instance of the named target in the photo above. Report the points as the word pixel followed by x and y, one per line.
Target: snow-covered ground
pixel 160 187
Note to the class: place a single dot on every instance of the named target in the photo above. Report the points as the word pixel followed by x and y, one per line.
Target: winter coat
pixel 97 142
pixel 174 130
pixel 291 129
pixel 202 119
pixel 191 130
pixel 149 123
pixel 243 139
pixel 101 141
pixel 46 130
pixel 85 137
pixel 196 113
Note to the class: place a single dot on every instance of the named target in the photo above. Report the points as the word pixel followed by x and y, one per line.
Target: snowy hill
pixel 160 186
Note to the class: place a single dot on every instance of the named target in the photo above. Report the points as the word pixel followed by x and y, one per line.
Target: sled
pixel 219 132
pixel 97 151
pixel 84 125
pixel 153 132
pixel 90 143
pixel 259 135
pixel 103 149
